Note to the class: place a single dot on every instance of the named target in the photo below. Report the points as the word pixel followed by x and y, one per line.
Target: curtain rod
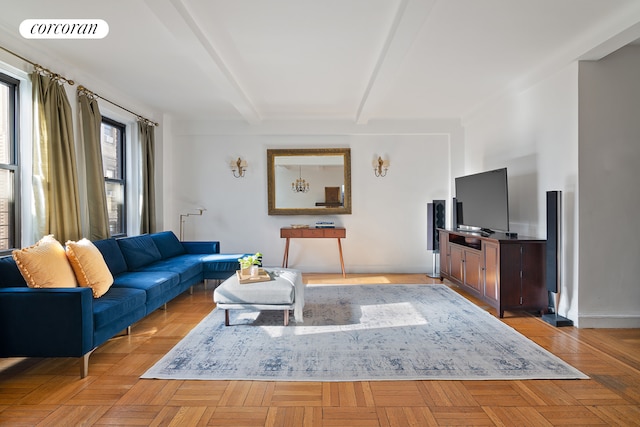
pixel 86 91
pixel 80 88
pixel 40 67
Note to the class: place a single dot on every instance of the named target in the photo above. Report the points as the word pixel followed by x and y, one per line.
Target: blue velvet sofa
pixel 148 271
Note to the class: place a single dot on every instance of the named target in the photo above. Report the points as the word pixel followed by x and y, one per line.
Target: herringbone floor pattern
pixel 50 392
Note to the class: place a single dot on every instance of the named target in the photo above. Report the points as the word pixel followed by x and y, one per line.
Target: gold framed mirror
pixel 309 181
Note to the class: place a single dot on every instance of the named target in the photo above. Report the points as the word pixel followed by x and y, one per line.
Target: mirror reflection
pixel 309 181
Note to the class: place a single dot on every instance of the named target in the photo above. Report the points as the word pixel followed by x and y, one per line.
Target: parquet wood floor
pixel 49 392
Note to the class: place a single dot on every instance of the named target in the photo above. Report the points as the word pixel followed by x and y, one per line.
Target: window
pixel 113 163
pixel 9 203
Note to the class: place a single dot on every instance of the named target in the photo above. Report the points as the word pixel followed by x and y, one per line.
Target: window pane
pixel 5 125
pixel 6 209
pixel 115 207
pixel 111 151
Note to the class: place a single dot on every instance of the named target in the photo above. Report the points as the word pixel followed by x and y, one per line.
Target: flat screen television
pixel 482 201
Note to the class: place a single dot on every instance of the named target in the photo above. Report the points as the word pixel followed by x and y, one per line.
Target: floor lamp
pixel 183 218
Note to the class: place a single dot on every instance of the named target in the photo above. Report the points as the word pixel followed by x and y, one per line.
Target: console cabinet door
pixel 491 253
pixel 473 270
pixel 457 262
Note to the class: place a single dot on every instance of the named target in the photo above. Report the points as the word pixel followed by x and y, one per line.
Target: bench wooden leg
pixel 226 318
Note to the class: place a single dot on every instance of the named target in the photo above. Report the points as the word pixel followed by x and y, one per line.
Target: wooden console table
pixel 312 233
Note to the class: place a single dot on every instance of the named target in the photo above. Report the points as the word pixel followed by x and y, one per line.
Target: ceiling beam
pixel 191 36
pixel 409 19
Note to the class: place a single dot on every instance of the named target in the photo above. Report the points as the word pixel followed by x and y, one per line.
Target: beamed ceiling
pixel 351 60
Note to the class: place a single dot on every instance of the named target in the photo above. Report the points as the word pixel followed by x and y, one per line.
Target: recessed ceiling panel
pixel 299 58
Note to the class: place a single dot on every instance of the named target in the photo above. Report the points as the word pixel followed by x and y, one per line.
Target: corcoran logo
pixel 64 29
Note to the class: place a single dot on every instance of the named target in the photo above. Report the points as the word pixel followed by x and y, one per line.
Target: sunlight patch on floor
pixel 351 279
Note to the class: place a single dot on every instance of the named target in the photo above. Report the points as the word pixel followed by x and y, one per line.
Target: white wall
pixel 534 134
pixel 577 132
pixel 386 231
pixel 609 195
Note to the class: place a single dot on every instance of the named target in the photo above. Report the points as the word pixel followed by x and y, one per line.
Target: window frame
pixel 14 165
pixel 123 169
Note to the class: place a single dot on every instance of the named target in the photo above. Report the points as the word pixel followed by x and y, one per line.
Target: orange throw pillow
pixel 89 266
pixel 45 265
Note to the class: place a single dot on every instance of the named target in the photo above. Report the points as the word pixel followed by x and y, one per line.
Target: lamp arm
pixel 184 216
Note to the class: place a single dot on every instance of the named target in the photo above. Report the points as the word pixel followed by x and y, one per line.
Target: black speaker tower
pixel 456 210
pixel 436 218
pixel 553 258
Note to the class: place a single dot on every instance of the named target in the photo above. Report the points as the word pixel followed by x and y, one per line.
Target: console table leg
pixel 285 259
pixel 341 259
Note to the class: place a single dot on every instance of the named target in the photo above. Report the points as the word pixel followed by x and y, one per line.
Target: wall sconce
pixel 380 166
pixel 184 216
pixel 238 167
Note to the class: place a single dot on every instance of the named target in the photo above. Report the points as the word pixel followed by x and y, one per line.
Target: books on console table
pixel 262 276
pixel 325 224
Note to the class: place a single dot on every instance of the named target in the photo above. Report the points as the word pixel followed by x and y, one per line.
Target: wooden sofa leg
pixel 226 318
pixel 286 317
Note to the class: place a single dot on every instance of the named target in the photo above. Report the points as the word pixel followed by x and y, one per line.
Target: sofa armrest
pixel 211 247
pixel 38 322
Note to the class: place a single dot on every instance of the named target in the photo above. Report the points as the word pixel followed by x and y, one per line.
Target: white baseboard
pixel 608 321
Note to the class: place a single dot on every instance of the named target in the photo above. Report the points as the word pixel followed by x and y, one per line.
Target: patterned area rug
pixel 362 333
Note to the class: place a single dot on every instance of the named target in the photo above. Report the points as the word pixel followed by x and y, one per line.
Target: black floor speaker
pixel 553 258
pixel 436 218
pixel 456 210
pixel 554 240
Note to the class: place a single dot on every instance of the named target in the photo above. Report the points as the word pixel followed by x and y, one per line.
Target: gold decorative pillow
pixel 45 265
pixel 89 266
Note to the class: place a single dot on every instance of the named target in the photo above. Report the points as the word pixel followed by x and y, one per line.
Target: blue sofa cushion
pixel 155 283
pixel 10 276
pixel 168 244
pixel 221 262
pixel 139 251
pixel 211 247
pixel 117 303
pixel 187 266
pixel 112 255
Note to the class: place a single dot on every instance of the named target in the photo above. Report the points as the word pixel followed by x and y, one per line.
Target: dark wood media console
pixel 506 273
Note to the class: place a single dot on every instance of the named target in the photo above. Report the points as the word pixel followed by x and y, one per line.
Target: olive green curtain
pixel 91 120
pixel 146 134
pixel 54 161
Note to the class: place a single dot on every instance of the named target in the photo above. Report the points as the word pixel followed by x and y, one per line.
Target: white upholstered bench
pixel 284 292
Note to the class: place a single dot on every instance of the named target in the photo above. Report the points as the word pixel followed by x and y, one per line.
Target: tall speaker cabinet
pixel 506 273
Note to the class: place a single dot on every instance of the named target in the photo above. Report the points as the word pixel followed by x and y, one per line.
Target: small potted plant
pixel 249 264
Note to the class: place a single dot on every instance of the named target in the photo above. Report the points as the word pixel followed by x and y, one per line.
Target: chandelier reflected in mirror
pixel 300 185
